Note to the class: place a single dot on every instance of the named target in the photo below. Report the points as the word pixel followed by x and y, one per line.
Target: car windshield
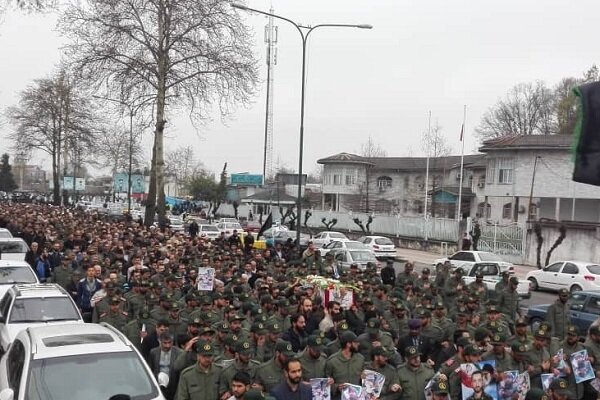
pixel 209 228
pixel 337 235
pixel 11 275
pixel 5 235
pixel 593 269
pixel 43 309
pixel 384 241
pixel 362 256
pixel 485 256
pixel 355 245
pixel 113 374
pixel 13 247
pixel 233 225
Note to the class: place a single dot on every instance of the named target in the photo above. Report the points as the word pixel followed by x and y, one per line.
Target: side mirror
pixel 7 394
pixel 163 380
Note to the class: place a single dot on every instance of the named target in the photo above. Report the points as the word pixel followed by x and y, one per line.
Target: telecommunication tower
pixel 271 41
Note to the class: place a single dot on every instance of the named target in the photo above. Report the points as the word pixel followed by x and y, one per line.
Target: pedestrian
pixel 86 289
pixel 346 365
pixel 388 273
pixel 414 375
pixel 292 386
pixel 557 315
pixel 201 381
pixel 466 242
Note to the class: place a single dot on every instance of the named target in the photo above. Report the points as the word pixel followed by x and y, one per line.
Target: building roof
pixel 270 196
pixel 466 191
pixel 528 142
pixel 407 163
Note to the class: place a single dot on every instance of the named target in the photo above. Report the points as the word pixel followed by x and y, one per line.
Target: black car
pixel 584 309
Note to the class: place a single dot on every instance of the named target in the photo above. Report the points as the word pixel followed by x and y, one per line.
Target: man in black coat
pixel 414 338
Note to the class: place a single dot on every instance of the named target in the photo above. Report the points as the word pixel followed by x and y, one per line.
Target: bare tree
pixel 112 147
pixel 182 163
pixel 53 116
pixel 435 143
pixel 369 150
pixel 526 110
pixel 181 53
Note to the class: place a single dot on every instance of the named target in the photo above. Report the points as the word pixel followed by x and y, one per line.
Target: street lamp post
pixel 304 36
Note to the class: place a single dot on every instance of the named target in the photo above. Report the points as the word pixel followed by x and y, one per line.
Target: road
pixel 424 259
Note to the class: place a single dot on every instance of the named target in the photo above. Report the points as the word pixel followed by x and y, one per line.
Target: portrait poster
pixel 582 368
pixel 428 391
pixel 547 380
pixel 206 279
pixel 372 382
pixel 478 379
pixel 523 385
pixel 352 392
pixel 508 385
pixel 321 390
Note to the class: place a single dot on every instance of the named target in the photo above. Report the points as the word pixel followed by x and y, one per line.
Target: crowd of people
pixel 265 330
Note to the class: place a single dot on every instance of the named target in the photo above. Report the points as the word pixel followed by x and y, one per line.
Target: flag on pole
pixel 462 131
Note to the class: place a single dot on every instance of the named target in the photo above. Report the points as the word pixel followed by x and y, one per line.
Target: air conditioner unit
pixel 481 184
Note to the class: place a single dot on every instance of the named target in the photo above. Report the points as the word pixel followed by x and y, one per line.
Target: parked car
pixel 251 226
pixel 382 246
pixel 570 275
pixel 55 362
pixel 326 237
pixel 346 257
pixel 492 274
pixel 229 227
pixel 229 220
pixel 282 236
pixel 13 272
pixel 176 223
pixel 207 231
pixel 341 244
pixel 13 249
pixel 584 309
pixel 466 259
pixel 28 305
pixel 5 233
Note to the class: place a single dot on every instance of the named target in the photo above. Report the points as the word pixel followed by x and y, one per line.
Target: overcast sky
pixel 433 55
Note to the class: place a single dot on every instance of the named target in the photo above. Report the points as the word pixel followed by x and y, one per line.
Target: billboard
pixel 68 182
pixel 246 179
pixel 121 183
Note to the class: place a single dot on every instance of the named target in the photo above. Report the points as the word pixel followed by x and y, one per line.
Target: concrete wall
pixel 581 244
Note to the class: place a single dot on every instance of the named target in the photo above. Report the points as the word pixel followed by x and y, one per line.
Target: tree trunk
pixel 163 61
pixel 55 189
pixel 151 199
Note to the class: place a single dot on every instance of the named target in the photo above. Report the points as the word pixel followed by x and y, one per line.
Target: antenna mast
pixel 271 41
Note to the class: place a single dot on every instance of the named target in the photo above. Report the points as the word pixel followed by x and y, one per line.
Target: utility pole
pixel 271 41
pixel 529 208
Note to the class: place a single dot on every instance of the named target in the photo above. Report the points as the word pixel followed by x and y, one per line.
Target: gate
pixel 508 241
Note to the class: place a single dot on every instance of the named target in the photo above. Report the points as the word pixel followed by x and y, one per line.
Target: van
pixel 13 249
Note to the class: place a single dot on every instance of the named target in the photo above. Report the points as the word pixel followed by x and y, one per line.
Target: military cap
pixel 479 275
pixel 205 300
pixel 560 386
pixel 315 342
pixel 237 317
pixel 440 387
pixel 347 336
pixel 411 351
pixel 273 326
pixel 258 327
pixel 424 313
pixel 381 351
pixel 205 348
pixel 231 340
pixel 572 330
pixel 196 321
pixel 462 341
pixel 462 311
pixel 111 285
pixel 498 339
pixel 207 330
pixel 505 273
pixel 426 271
pixel 514 280
pixel 175 306
pixel 563 292
pixel 520 322
pixel 373 325
pixel 342 326
pixel 244 347
pixel 492 308
pixel 285 348
pixel 519 348
pixel 471 350
pixel 536 394
pixel 115 300
pixel 253 394
pixel 440 305
pixel 542 333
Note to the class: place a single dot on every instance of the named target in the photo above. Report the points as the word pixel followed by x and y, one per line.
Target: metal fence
pixel 505 240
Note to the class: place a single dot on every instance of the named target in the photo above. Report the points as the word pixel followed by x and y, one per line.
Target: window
pixel 553 267
pixel 384 182
pixel 570 268
pixel 350 180
pixel 594 269
pixel 484 210
pixel 327 180
pixel 490 173
pixel 15 362
pixel 505 171
pixel 463 256
pixel 507 211
pixel 337 179
pixel 593 305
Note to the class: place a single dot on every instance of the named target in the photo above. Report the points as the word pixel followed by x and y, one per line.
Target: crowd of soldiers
pixel 264 331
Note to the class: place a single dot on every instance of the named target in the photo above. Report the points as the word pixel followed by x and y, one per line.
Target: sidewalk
pixel 424 257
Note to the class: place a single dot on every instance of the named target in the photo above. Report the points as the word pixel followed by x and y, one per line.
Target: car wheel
pixel 575 288
pixel 534 284
pixel 535 323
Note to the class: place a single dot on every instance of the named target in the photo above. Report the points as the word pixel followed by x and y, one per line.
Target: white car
pixel 13 249
pixel 5 233
pixel 382 246
pixel 55 362
pixel 344 258
pixel 176 223
pixel 229 220
pixel 207 231
pixel 492 274
pixel 26 306
pixel 14 272
pixel 229 227
pixel 341 244
pixel 570 275
pixel 466 260
pixel 326 237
